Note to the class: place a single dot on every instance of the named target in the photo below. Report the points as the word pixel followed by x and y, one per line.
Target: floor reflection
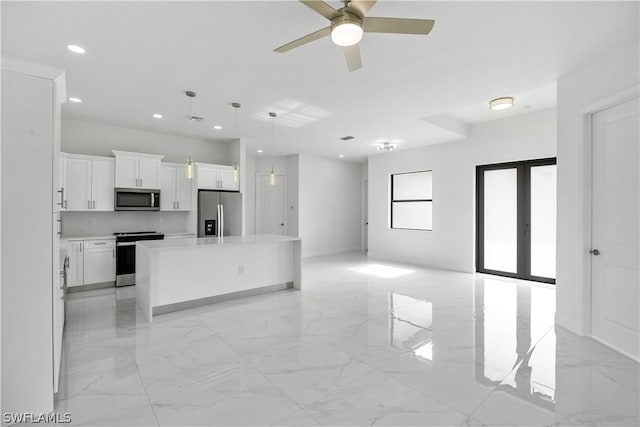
pixel 511 318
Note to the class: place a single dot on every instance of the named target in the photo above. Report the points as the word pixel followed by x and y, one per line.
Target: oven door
pixel 125 263
pixel 131 199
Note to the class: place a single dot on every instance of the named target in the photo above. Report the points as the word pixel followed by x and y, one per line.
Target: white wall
pixel 95 139
pixel 451 244
pixel 330 205
pixel 577 90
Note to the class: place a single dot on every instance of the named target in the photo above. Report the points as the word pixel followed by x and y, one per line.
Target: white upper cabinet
pixel 88 182
pixel 78 191
pixel 216 177
pixel 175 188
pixel 137 170
pixel 102 184
pixel 127 171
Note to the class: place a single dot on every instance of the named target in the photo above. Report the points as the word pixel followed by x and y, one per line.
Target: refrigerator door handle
pixel 222 221
pixel 218 221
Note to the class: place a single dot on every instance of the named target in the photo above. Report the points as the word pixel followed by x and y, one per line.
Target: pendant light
pixel 189 168
pixel 272 176
pixel 236 167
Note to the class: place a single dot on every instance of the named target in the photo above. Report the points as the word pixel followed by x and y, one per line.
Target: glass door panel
pixel 501 220
pixel 543 221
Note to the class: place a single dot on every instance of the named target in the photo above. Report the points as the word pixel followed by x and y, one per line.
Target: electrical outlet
pixel 240 269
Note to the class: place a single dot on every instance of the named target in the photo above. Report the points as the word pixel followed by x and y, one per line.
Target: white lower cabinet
pixel 99 261
pixel 91 261
pixel 75 273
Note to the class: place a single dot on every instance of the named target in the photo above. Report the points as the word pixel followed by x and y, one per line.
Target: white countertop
pixel 110 236
pixel 216 241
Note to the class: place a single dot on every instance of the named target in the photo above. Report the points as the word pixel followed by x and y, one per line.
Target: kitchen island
pixel 182 273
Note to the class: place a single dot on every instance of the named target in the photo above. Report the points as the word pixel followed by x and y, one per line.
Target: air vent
pixel 194 118
pixel 347 138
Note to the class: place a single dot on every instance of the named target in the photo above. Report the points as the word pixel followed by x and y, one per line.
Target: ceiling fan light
pixel 346 33
pixel 501 103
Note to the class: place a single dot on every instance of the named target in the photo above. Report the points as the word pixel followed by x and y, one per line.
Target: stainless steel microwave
pixel 136 199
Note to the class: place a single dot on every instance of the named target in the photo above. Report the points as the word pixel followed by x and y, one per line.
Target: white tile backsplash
pixel 80 224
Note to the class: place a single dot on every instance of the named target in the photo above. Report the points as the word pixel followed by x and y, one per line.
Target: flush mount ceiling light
pixel 157 116
pixel 217 127
pixel 72 99
pixel 386 147
pixel 501 103
pixel 76 49
pixel 341 156
pixel 258 151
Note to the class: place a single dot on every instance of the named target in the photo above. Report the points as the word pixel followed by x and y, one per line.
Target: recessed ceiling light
pixel 157 116
pixel 75 49
pixel 259 151
pixel 341 156
pixel 75 99
pixel 501 103
pixel 217 127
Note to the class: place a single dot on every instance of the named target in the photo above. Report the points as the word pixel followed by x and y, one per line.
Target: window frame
pixel 392 201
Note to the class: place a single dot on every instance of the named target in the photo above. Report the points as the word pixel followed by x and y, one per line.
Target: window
pixel 411 200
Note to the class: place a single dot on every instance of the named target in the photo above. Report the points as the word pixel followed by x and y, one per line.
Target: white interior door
pixel 270 205
pixel 615 235
pixel 366 215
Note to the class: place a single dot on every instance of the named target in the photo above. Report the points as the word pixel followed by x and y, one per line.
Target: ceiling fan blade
pixel 352 55
pixel 397 25
pixel 304 40
pixel 322 8
pixel 362 6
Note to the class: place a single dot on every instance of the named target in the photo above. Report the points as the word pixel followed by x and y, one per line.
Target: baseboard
pixel 91 287
pixel 419 262
pixel 333 252
pixel 163 309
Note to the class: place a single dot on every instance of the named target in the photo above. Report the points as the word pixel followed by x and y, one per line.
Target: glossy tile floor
pixel 366 343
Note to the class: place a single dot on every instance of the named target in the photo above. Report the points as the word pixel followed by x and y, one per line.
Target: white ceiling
pixel 142 56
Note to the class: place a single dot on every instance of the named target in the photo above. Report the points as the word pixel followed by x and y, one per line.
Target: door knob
pixel 594 252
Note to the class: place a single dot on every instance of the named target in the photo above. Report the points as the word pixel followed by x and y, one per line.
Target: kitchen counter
pixel 217 241
pixel 175 274
pixel 110 236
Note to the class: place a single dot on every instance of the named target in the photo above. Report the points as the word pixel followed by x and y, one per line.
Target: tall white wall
pixel 451 244
pixel 577 91
pixel 330 205
pixel 95 139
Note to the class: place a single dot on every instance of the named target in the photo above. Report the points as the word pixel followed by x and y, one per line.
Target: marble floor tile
pixel 185 363
pixel 236 396
pixel 378 399
pixel 366 342
pixel 310 370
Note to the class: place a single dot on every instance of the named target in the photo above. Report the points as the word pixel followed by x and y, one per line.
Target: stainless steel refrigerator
pixel 219 213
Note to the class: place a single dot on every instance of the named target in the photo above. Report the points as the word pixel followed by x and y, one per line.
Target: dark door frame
pixel 523 219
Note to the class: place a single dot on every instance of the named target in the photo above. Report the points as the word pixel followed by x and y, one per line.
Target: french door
pixel 516 219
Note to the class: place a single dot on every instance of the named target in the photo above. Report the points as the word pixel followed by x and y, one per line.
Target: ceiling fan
pixel 350 22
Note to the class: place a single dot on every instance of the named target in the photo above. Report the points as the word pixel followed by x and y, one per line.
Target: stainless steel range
pixel 126 254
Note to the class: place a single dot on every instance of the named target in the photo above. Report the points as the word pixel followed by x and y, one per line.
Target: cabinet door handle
pixel 61 191
pixel 80 244
pixel 100 243
pixel 114 252
pixel 65 204
pixel 59 221
pixel 178 202
pixel 140 182
pixel 94 204
pixel 88 204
